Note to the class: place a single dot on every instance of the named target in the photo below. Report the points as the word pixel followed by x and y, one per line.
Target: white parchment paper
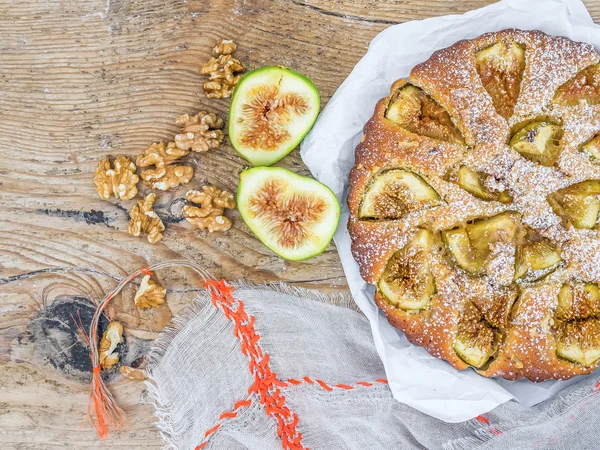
pixel 416 378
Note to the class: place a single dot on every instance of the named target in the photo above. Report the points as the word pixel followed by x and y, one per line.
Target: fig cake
pixel 474 204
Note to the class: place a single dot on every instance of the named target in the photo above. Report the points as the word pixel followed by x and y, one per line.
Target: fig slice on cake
pixel 407 281
pixel 294 216
pixel 471 244
pixel 592 148
pixel 476 340
pixel 578 341
pixel 500 68
pixel 414 110
pixel 393 193
pixel 577 301
pixel 474 183
pixel 578 204
pixel 272 109
pixel 535 260
pixel 539 141
pixel 585 86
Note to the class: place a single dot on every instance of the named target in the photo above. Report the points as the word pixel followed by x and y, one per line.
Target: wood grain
pixel 81 80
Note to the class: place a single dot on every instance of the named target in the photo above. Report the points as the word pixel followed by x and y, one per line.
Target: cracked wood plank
pixel 91 78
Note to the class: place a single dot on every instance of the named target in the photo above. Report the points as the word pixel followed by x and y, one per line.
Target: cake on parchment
pixel 474 205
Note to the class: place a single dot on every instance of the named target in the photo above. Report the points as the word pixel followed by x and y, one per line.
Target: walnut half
pixel 200 133
pixel 224 47
pixel 209 215
pixel 143 219
pixel 165 174
pixel 112 337
pixel 119 180
pixel 150 294
pixel 133 374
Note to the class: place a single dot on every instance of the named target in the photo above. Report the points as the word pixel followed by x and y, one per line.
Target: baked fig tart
pixel 475 202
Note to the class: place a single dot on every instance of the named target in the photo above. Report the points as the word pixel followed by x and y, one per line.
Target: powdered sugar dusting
pixel 451 79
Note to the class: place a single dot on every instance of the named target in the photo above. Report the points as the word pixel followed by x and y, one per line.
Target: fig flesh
pixel 415 111
pixel 538 142
pixel 585 86
pixel 407 281
pixel 592 148
pixel 393 193
pixel 535 260
pixel 500 67
pixel 471 244
pixel 272 109
pixel 294 216
pixel 473 182
pixel 476 341
pixel 578 204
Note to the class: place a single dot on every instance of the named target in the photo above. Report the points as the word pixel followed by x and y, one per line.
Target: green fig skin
pixel 279 82
pixel 293 189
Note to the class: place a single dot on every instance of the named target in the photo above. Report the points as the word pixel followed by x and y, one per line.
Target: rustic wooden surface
pixel 80 80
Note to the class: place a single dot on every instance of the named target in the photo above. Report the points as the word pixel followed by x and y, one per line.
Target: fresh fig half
pixel 272 109
pixel 294 216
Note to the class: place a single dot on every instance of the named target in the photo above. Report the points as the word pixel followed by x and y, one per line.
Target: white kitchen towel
pixel 276 367
pixel 416 378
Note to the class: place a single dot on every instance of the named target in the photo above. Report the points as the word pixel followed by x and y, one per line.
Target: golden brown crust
pixel 451 78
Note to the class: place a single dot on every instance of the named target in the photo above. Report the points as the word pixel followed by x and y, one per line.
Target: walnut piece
pixel 209 215
pixel 150 294
pixel 120 180
pixel 224 47
pixel 223 69
pixel 143 219
pixel 133 374
pixel 200 133
pixel 165 175
pixel 112 337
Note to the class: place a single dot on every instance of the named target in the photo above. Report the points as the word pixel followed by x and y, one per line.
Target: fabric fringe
pixel 481 436
pixel 569 398
pixel 562 404
pixel 162 408
pixel 341 299
pixel 467 443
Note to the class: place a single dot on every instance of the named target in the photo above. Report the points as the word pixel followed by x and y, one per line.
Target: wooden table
pixel 81 80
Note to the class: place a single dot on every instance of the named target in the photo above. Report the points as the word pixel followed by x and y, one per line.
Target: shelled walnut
pixel 133 374
pixel 112 337
pixel 209 215
pixel 119 180
pixel 224 47
pixel 143 219
pixel 150 294
pixel 165 174
pixel 224 70
pixel 200 133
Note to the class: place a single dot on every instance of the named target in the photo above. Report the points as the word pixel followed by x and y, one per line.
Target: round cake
pixel 474 205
